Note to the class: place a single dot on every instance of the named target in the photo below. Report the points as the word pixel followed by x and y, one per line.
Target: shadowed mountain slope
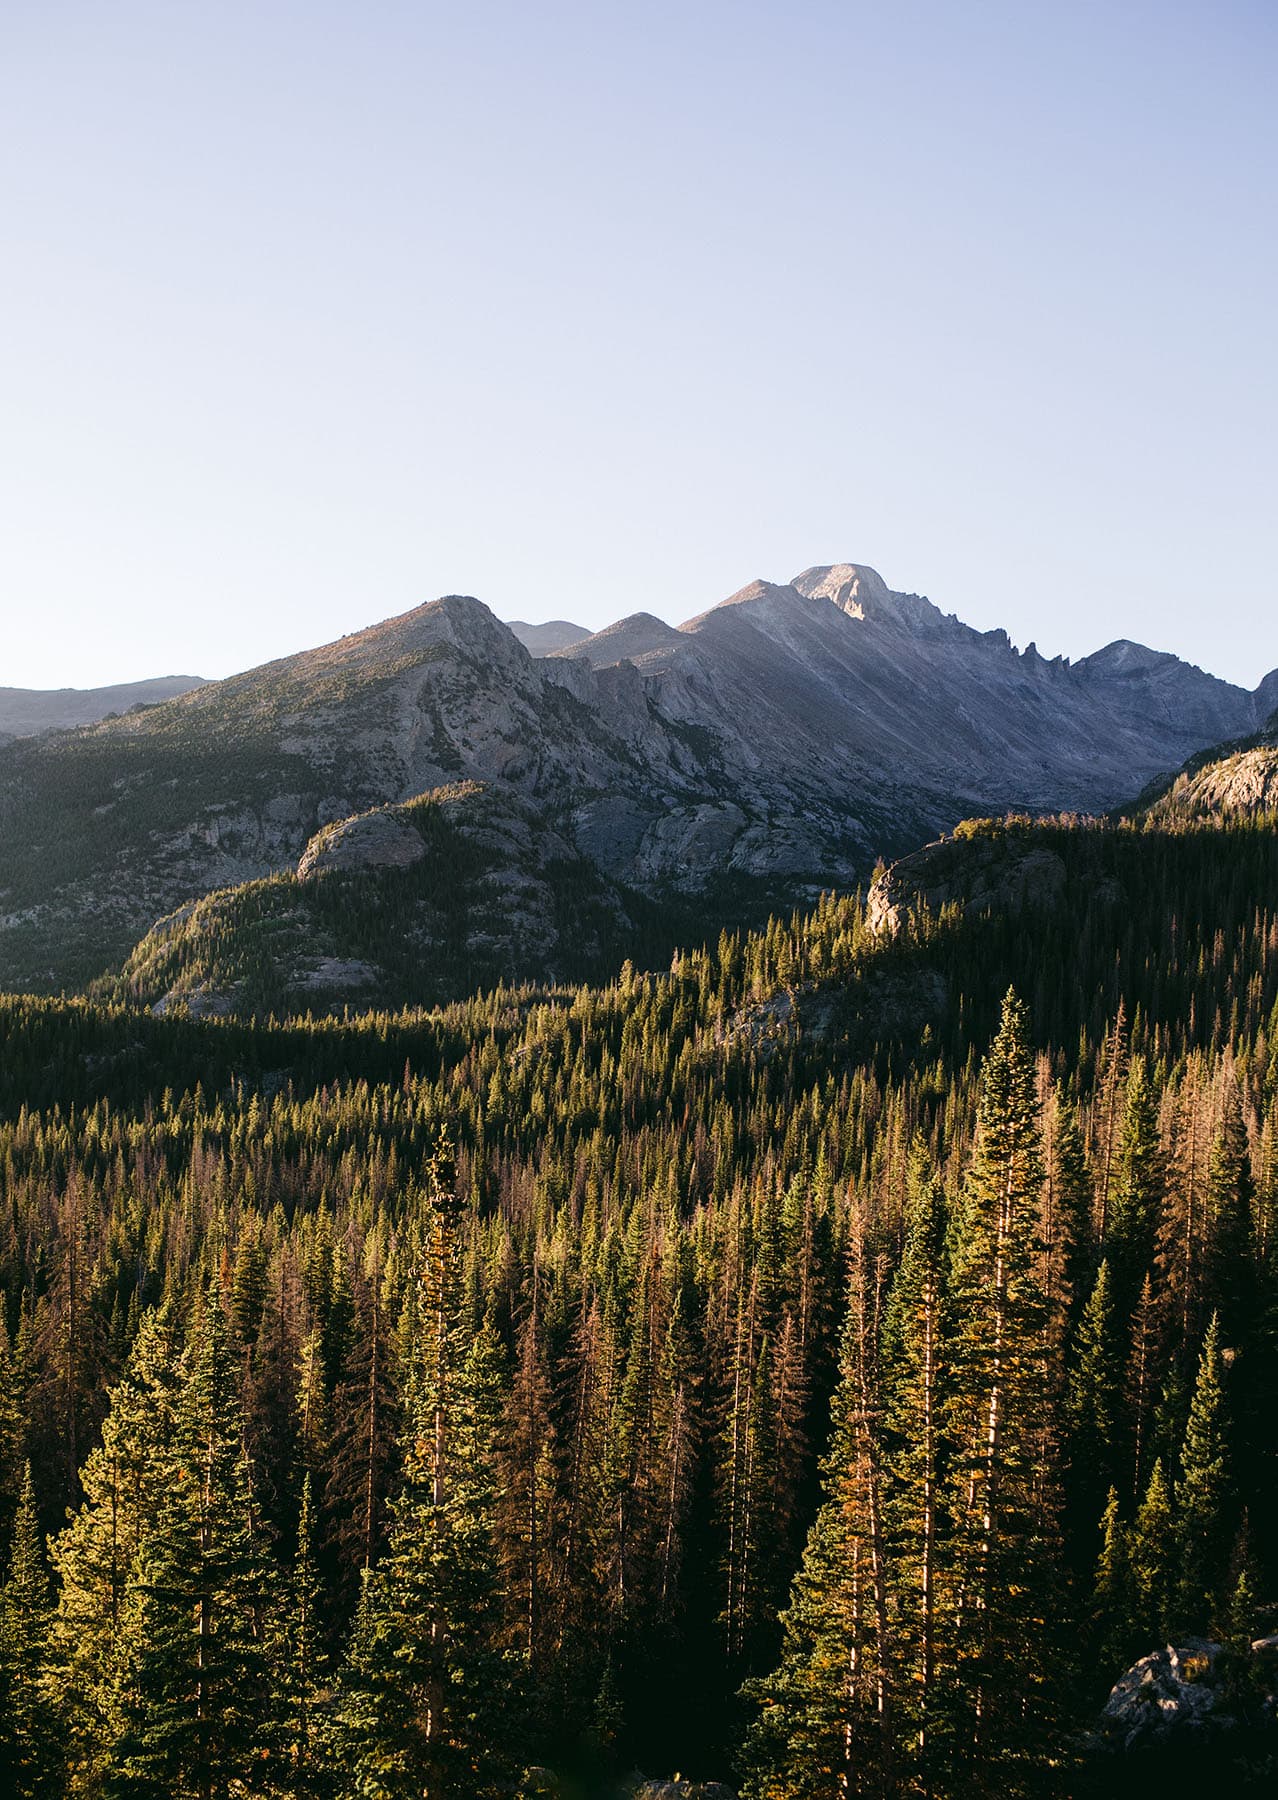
pixel 105 829
pixel 406 905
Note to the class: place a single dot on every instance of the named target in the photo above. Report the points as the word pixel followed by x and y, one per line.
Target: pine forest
pixel 822 1365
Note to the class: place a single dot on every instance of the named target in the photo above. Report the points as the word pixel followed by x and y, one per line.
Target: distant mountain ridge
pixel 545 639
pixel 24 712
pixel 768 748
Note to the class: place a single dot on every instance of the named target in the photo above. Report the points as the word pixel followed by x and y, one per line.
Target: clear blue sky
pixel 314 311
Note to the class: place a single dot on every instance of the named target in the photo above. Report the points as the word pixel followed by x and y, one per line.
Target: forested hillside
pixel 814 1366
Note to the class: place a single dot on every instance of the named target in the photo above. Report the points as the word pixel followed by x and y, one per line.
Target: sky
pixel 314 311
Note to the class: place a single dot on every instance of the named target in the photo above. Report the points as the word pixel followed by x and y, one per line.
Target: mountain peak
pixel 861 593
pixel 854 588
pixel 457 619
pixel 629 638
pixel 758 596
pixel 1126 657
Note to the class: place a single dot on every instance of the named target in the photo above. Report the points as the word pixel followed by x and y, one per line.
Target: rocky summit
pixel 768 748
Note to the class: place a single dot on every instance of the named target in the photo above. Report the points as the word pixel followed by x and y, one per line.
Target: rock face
pixel 1237 780
pixel 773 745
pixel 373 840
pixel 835 684
pixel 25 712
pixel 1184 1697
pixel 1170 1693
pixel 992 868
pixel 408 905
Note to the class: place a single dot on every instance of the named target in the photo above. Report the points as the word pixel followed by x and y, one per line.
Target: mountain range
pixel 25 712
pixel 599 788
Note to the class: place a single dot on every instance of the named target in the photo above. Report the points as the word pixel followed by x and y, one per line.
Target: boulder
pixel 1170 1693
pixel 1186 1696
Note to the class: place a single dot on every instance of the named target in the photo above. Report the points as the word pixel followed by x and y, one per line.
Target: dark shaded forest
pixel 825 1365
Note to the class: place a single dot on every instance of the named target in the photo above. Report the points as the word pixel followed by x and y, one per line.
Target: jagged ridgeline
pixel 768 749
pixel 649 1427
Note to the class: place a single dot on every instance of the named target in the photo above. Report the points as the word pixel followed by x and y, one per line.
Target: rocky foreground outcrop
pixel 1190 1692
pixel 1195 1717
pixel 544 1784
pixel 683 1790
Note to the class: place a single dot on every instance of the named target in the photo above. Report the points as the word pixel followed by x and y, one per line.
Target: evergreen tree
pixel 1112 1597
pixel 914 1361
pixel 1067 1234
pixel 28 1758
pixel 1229 1277
pixel 661 1193
pixel 431 1691
pixel 824 1721
pixel 1092 1399
pixel 363 1438
pixel 124 1483
pixel 1152 1552
pixel 1006 1550
pixel 1137 1192
pixel 13 1433
pixel 1204 1522
pixel 300 1663
pixel 1140 1383
pixel 194 1687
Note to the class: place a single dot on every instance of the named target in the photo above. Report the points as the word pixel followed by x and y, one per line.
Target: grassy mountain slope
pixel 25 712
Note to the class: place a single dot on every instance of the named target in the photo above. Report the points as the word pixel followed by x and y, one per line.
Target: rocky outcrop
pixel 373 840
pixel 683 1790
pixel 1184 1697
pixel 1238 780
pixel 988 867
pixel 547 1784
pixel 412 904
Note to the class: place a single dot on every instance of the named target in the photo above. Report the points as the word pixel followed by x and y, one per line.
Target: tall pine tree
pixel 1005 1555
